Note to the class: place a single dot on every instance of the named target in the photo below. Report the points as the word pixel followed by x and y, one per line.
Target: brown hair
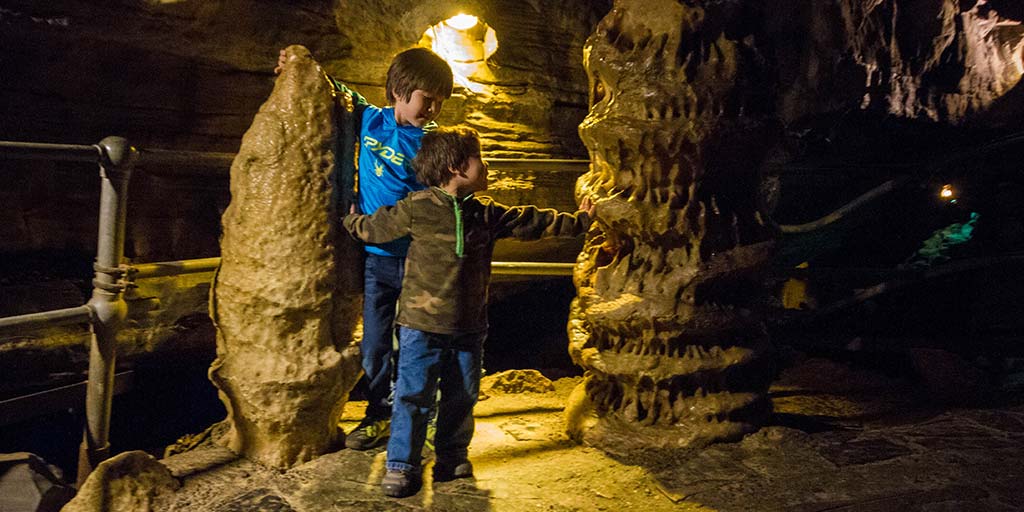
pixel 443 151
pixel 418 68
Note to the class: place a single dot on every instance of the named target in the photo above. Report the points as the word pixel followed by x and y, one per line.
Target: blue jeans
pixel 383 285
pixel 426 362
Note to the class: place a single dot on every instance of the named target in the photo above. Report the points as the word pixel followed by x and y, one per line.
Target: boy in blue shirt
pixel 418 82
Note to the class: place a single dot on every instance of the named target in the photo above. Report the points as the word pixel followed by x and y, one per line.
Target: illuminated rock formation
pixel 283 308
pixel 668 320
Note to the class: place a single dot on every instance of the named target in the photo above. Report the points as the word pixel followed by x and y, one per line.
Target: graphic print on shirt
pixel 385 152
pixel 385 176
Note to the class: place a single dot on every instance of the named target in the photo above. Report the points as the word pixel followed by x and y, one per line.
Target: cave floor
pixel 842 440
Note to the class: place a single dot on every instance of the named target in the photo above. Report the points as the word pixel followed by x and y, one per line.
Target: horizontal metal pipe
pixel 173 268
pixel 528 268
pixel 539 164
pixel 42 151
pixel 191 160
pixel 82 314
pixel 196 159
pixel 185 159
pixel 76 315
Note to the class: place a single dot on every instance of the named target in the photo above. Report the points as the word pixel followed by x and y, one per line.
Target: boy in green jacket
pixel 443 305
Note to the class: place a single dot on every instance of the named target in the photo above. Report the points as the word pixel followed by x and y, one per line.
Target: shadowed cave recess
pixel 719 135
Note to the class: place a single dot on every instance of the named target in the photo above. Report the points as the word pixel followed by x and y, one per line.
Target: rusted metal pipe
pixel 172 268
pixel 107 302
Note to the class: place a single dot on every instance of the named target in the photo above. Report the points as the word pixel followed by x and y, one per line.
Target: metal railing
pixel 106 309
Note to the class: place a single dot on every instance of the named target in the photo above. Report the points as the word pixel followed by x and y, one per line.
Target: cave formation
pixel 669 320
pixel 284 307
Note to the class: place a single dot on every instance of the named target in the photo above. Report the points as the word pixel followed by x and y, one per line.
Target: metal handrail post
pixel 107 302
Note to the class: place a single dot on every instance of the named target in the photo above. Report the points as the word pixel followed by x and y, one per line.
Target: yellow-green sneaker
pixel 431 431
pixel 369 434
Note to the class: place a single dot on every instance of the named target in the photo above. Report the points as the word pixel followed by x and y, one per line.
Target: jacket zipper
pixel 459 235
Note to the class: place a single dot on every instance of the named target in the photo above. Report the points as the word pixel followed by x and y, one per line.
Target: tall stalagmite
pixel 284 312
pixel 669 320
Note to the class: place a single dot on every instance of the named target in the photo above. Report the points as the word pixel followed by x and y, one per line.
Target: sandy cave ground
pixel 842 439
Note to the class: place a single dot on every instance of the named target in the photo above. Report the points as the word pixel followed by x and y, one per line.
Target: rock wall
pixel 190 75
pixel 537 92
pixel 944 61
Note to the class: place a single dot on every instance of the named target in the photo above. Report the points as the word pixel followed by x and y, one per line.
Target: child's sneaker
pixel 369 434
pixel 399 484
pixel 447 471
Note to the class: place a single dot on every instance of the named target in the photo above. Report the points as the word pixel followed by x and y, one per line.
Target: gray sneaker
pixel 448 471
pixel 369 434
pixel 399 484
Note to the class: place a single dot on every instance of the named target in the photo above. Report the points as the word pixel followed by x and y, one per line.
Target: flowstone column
pixel 668 320
pixel 284 313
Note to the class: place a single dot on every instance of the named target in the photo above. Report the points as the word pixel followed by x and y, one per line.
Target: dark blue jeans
pixel 383 285
pixel 426 362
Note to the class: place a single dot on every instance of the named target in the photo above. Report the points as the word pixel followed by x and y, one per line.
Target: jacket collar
pixel 440 192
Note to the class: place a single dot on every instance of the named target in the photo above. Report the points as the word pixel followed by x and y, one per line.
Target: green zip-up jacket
pixel 448 268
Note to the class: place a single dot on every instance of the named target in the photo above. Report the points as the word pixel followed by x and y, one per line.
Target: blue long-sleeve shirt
pixel 385 150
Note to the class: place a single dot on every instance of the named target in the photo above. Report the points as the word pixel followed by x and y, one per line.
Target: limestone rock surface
pixel 128 482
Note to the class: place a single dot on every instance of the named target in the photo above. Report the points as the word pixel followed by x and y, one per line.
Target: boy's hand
pixel 352 209
pixel 587 205
pixel 281 59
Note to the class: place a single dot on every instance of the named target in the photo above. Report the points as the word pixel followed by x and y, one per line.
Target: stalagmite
pixel 677 261
pixel 283 303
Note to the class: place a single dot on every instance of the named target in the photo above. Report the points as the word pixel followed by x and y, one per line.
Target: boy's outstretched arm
pixel 529 222
pixel 386 224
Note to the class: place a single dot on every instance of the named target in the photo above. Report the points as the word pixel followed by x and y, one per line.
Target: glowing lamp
pixel 465 42
pixel 462 21
pixel 947 192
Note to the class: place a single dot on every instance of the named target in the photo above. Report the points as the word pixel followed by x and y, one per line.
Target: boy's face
pixel 475 175
pixel 421 108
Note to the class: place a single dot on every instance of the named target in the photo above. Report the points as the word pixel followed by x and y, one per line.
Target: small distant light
pixel 947 192
pixel 952 201
pixel 462 21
